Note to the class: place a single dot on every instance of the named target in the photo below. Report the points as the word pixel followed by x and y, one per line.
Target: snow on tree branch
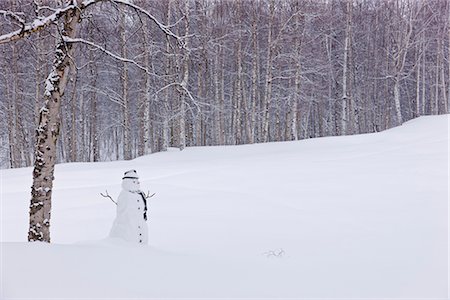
pixel 13 16
pixel 41 22
pixel 35 26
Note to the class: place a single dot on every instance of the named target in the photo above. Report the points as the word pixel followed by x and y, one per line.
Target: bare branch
pixel 108 196
pixel 275 253
pixel 163 27
pixel 147 196
pixel 115 56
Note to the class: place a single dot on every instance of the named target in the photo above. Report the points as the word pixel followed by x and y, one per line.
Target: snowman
pixel 130 223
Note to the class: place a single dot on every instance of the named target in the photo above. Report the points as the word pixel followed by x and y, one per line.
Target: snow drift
pixel 356 216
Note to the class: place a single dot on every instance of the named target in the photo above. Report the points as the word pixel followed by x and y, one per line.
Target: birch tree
pixel 346 93
pixel 267 98
pixel 124 90
pixel 184 81
pixel 255 78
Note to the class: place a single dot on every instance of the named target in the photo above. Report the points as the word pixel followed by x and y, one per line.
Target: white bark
pixel 184 83
pixel 47 134
pixel 417 106
pixel 444 101
pixel 424 78
pixel 448 58
pixel 435 105
pixel 398 109
pixel 255 97
pixel 218 103
pixel 124 82
pixel 238 99
pixel 402 36
pixel 345 118
pixel 147 96
pixel 165 105
pixel 94 111
pixel 267 99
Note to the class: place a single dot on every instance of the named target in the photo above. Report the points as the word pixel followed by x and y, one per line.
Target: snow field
pixel 341 217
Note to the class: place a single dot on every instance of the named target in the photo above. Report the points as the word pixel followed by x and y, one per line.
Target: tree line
pixel 245 72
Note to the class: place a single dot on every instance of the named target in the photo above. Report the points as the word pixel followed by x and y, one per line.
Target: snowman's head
pixel 130 181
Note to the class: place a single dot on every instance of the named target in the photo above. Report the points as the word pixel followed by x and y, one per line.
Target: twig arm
pixel 108 196
pixel 148 195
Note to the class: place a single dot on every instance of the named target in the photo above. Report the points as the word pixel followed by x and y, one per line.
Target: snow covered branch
pixel 40 23
pixel 13 16
pixel 35 26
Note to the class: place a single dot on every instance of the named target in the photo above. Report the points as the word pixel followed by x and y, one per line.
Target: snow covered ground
pixel 344 217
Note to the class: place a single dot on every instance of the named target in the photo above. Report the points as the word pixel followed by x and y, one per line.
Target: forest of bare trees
pixel 246 72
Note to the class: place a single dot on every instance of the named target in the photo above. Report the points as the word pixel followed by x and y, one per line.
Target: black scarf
pixel 145 204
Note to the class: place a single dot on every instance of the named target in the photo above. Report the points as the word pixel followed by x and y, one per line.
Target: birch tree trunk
pixel 398 109
pixel 222 135
pixel 124 81
pixel 345 73
pixel 267 99
pixel 184 83
pixel 219 127
pixel 198 139
pixel 144 139
pixel 293 115
pixel 424 78
pixel 22 159
pixel 165 105
pixel 402 38
pixel 448 57
pixel 47 133
pixel 239 99
pixel 444 102
pixel 333 115
pixel 11 129
pixel 255 98
pixel 39 75
pixel 83 121
pixel 72 136
pixel 93 113
pixel 417 102
pixel 14 152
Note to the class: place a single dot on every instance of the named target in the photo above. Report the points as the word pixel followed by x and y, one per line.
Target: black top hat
pixel 131 174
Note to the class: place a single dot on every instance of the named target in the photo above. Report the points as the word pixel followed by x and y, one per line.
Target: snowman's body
pixel 129 224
